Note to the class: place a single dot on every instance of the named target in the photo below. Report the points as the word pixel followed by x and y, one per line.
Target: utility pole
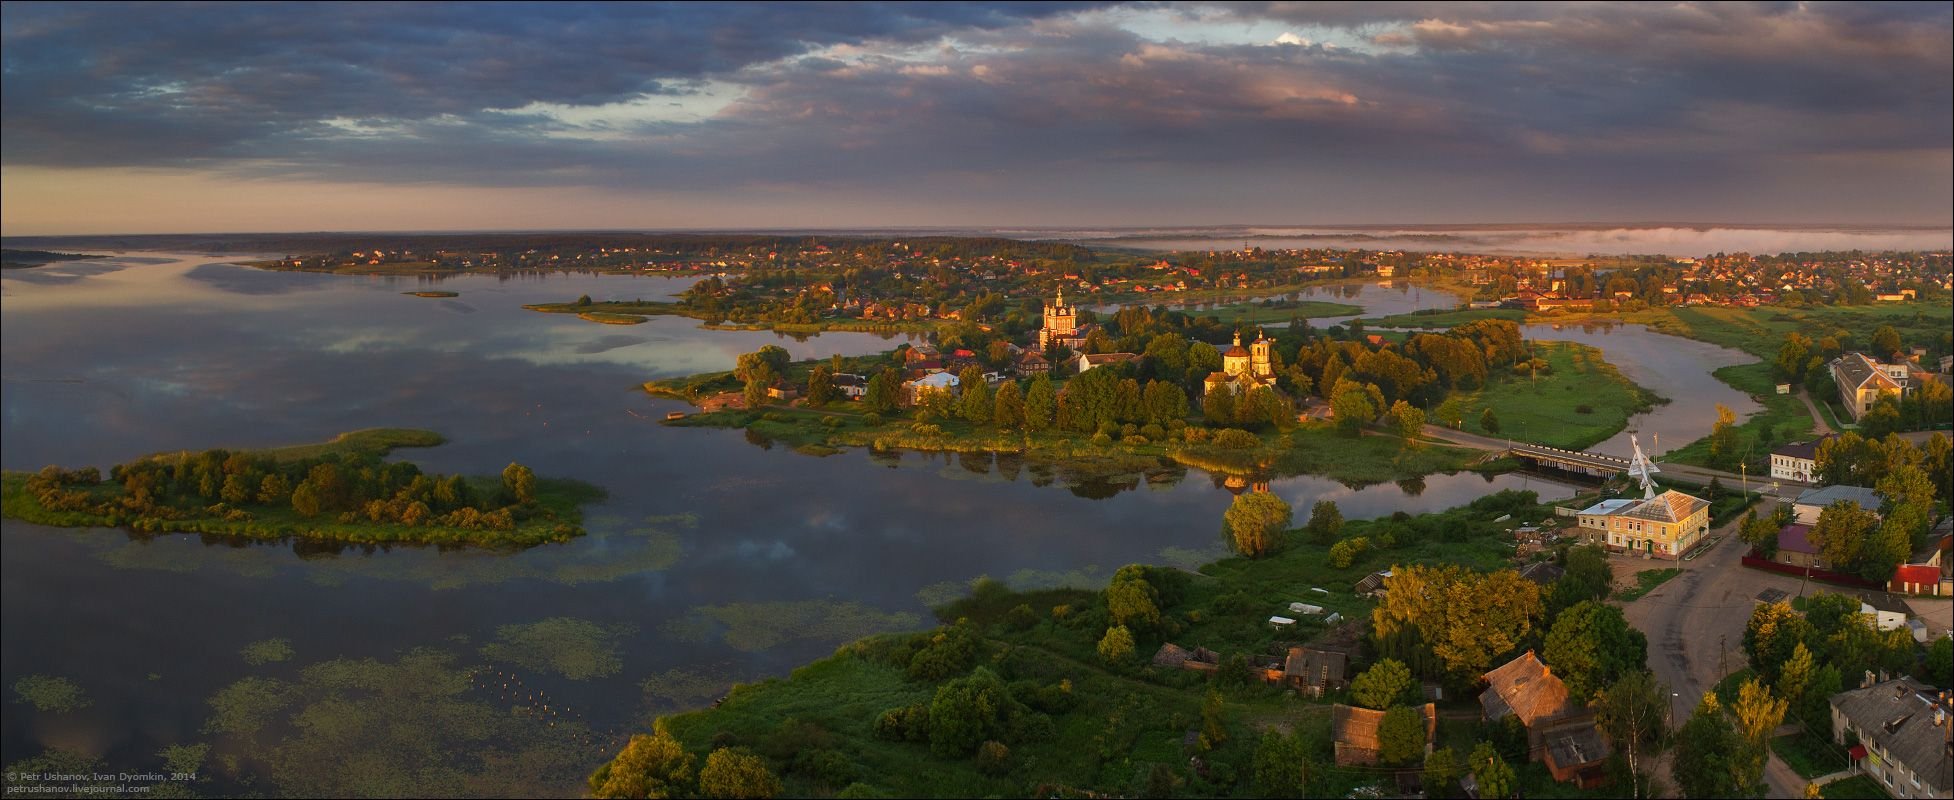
pixel 1723 650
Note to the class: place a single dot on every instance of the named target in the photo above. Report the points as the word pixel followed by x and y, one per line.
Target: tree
pixel 1218 405
pixel 1451 413
pixel 275 489
pixel 1795 676
pixel 1592 646
pixel 771 357
pixel 1385 684
pixel 1344 553
pixel 1281 766
pixel 1589 576
pixel 820 386
pixel 1939 671
pixel 1939 464
pixel 1164 402
pixel 1883 418
pixel 1488 421
pixel 649 766
pixel 968 711
pixel 1131 600
pixel 1723 437
pixel 1441 769
pixel 1007 409
pixel 1758 714
pixel 1400 736
pixel 1325 520
pixel 1468 619
pixel 520 481
pixel 1255 523
pixel 1117 645
pixel 1891 541
pixel 1772 634
pixel 975 404
pixel 305 499
pixel 1841 533
pixel 884 391
pixel 733 773
pixel 1708 754
pixel 1353 410
pixel 1491 772
pixel 1760 533
pixel 1040 404
pixel 1886 341
pixel 1214 728
pixel 1410 422
pixel 1632 712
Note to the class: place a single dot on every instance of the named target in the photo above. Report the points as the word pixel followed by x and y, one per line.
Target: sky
pixel 156 118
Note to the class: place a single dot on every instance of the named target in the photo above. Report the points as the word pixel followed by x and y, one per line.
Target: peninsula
pixel 340 491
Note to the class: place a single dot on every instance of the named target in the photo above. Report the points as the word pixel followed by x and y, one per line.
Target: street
pixel 1695 625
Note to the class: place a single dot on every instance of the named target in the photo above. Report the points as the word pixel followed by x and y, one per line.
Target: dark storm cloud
pixel 1558 98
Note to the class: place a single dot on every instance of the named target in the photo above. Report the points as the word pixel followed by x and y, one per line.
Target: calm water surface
pixel 726 560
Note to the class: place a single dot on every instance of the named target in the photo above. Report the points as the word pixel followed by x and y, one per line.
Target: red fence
pixel 1825 575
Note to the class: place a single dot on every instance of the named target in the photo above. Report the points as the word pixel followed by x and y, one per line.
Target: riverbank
pixel 334 491
pixel 1067 714
pixel 1576 401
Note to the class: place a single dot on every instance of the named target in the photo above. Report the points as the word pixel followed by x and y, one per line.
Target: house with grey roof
pixel 1812 501
pixel 1902 728
pixel 1862 382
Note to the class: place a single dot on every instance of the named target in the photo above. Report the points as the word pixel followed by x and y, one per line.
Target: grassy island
pixel 340 490
pixel 432 294
pixel 23 259
pixel 1071 692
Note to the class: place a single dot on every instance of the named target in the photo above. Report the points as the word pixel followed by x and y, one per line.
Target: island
pixel 432 293
pixel 336 491
pixel 1147 393
pixel 23 259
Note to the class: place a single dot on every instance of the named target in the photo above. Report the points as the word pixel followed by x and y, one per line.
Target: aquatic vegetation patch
pixel 753 627
pixel 267 651
pixel 685 689
pixel 412 727
pixel 51 694
pixel 577 649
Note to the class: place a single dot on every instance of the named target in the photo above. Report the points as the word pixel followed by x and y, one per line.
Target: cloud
pixel 1635 109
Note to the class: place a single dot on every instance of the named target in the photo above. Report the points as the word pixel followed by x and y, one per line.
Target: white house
pixel 1795 462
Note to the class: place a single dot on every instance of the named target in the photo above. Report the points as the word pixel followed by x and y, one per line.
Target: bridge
pixel 1581 463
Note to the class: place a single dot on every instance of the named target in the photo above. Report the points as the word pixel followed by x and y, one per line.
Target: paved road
pixel 1819 426
pixel 1695 625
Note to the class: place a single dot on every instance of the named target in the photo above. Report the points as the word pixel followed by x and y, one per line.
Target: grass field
pixel 1580 400
pixel 1810 755
pixel 1445 318
pixel 609 318
pixel 1647 581
pixel 1857 787
pixel 377 442
pixel 1267 311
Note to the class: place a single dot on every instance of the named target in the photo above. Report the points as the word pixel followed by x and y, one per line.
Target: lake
pixel 715 559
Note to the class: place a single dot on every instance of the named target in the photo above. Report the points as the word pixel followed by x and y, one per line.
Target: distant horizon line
pixel 1164 229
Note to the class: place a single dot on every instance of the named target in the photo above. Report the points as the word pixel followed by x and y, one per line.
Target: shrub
pixel 1344 552
pixel 1021 617
pixel 1235 439
pixel 993 758
pixel 1584 408
pixel 1153 431
pixel 1101 439
pixel 1135 440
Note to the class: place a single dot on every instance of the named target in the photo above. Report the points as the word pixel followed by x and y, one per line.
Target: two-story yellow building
pixel 1664 526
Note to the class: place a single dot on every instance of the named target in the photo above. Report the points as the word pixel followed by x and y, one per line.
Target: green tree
pixel 1882 419
pixel 1117 645
pixel 1709 754
pixel 1132 601
pixel 649 766
pixel 773 358
pixel 1353 410
pixel 1772 634
pixel 276 489
pixel 968 711
pixel 820 387
pixel 733 773
pixel 1796 674
pixel 1451 413
pixel 1040 404
pixel 1633 711
pixel 1281 766
pixel 1007 409
pixel 1488 422
pixel 1886 341
pixel 1214 726
pixel 1218 406
pixel 1410 422
pixel 1441 769
pixel 1385 684
pixel 1588 576
pixel 1325 521
pixel 883 393
pixel 757 384
pixel 305 500
pixel 1591 646
pixel 1255 523
pixel 1401 736
pixel 1468 619
pixel 1491 772
pixel 975 404
pixel 1887 548
pixel 1344 553
pixel 520 481
pixel 1841 533
pixel 1165 402
pixel 1939 668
